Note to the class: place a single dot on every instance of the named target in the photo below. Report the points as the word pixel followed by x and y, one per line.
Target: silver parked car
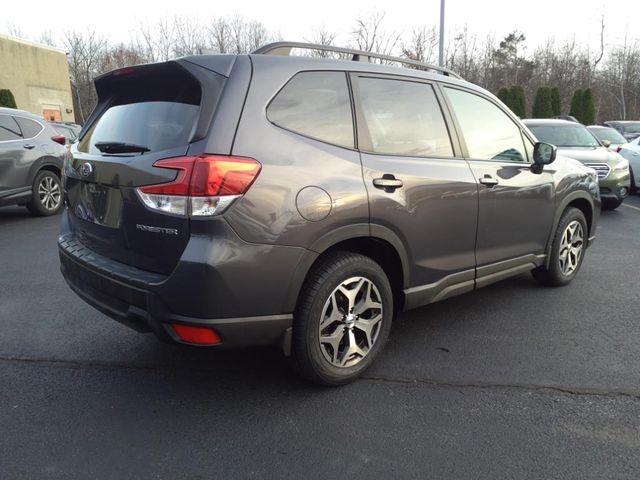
pixel 609 137
pixel 575 141
pixel 631 151
pixel 629 129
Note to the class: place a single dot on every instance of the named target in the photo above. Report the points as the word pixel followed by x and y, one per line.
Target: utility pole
pixel 441 45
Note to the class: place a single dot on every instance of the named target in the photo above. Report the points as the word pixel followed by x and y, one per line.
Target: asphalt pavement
pixel 511 381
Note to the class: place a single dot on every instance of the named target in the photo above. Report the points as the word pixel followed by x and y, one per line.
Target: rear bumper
pixel 144 311
pixel 244 291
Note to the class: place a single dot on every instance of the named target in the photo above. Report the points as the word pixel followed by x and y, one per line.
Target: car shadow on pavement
pixel 267 368
pixel 14 214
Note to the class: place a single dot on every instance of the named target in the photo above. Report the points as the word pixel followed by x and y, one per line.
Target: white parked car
pixel 631 151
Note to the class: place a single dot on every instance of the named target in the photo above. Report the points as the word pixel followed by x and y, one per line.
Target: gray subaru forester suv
pixel 277 199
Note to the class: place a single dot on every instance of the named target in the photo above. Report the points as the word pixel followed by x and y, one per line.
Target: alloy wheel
pixel 571 248
pixel 49 193
pixel 351 322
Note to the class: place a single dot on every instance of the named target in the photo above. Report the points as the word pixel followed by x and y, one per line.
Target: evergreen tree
pixel 542 105
pixel 503 95
pixel 556 103
pixel 576 105
pixel 518 101
pixel 7 99
pixel 588 108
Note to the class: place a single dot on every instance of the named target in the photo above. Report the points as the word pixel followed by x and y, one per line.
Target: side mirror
pixel 544 153
pixel 605 143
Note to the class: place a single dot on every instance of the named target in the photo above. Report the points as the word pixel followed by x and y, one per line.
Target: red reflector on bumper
pixel 197 335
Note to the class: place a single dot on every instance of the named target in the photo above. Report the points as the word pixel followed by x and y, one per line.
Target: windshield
pixel 564 135
pixel 610 134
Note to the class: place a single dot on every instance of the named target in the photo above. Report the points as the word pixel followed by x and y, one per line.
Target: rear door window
pixel 403 118
pixel 30 128
pixel 316 105
pixel 154 113
pixel 9 129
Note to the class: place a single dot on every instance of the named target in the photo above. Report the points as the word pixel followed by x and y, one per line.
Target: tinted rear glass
pixel 158 113
pixel 315 104
pixel 404 118
pixel 9 129
pixel 631 127
pixel 30 128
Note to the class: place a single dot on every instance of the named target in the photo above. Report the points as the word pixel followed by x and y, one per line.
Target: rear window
pixel 631 127
pixel 9 129
pixel 317 105
pixel 30 128
pixel 403 118
pixel 67 132
pixel 158 113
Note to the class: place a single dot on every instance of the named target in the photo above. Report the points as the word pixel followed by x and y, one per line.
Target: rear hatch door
pixel 144 114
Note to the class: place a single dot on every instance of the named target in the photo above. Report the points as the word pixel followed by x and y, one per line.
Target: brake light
pixel 619 149
pixel 61 139
pixel 204 186
pixel 123 71
pixel 197 335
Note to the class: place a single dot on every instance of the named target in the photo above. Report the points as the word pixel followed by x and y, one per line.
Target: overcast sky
pixel 296 20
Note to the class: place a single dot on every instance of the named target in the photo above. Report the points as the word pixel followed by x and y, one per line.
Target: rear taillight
pixel 61 139
pixel 204 186
pixel 619 149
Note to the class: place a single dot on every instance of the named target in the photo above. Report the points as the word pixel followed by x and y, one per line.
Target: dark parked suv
pixel 31 158
pixel 274 199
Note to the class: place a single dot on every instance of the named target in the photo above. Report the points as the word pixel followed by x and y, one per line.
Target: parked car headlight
pixel 623 164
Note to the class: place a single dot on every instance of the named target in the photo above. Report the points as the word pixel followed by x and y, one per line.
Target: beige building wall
pixel 38 77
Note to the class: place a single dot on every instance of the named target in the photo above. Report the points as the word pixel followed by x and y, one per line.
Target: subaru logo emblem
pixel 86 169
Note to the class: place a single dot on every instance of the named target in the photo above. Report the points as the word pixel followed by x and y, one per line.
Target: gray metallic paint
pixel 20 165
pixel 262 248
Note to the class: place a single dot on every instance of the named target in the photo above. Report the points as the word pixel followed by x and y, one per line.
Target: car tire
pixel 632 188
pixel 47 194
pixel 567 250
pixel 610 203
pixel 337 336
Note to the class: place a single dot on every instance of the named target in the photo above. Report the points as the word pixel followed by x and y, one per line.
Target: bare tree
pixel 15 30
pixel 369 35
pixel 324 37
pixel 422 45
pixel 188 37
pixel 47 38
pixel 84 52
pixel 155 42
pixel 220 35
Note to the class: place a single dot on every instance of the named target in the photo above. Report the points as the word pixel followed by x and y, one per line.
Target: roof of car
pixel 601 127
pixel 16 111
pixel 300 62
pixel 548 121
pixel 622 121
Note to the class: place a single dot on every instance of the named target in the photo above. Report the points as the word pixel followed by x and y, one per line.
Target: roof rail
pixel 284 48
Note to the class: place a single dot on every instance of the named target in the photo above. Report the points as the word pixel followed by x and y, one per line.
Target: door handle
pixel 29 146
pixel 489 181
pixel 388 182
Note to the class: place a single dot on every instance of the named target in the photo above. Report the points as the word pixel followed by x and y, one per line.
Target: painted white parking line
pixel 631 206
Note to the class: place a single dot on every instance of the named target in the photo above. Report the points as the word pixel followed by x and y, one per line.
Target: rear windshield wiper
pixel 120 147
